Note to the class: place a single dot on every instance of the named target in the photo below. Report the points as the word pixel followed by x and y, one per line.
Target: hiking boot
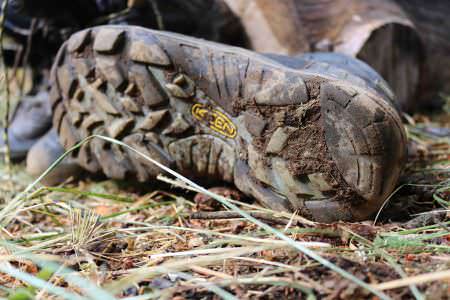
pixel 31 120
pixel 378 32
pixel 342 67
pixel 57 19
pixel 295 139
pixel 21 30
pixel 44 153
pixel 208 19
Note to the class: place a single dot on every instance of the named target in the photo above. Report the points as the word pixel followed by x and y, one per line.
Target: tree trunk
pixel 271 26
pixel 382 35
pixel 432 20
pixel 375 31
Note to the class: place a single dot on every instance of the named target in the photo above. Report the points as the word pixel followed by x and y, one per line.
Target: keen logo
pixel 215 120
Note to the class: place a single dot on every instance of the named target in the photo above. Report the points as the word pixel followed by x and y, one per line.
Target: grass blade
pixel 38 283
pixel 224 201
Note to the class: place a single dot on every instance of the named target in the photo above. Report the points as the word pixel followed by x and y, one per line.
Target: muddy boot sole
pixel 341 67
pixel 296 140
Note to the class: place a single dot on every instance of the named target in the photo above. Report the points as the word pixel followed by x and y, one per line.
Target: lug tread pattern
pixel 109 83
pixel 365 144
pixel 138 86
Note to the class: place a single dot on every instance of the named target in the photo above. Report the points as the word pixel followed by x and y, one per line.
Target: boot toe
pixel 43 154
pixel 366 140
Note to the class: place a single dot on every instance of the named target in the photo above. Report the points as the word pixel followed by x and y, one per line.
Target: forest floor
pixel 98 239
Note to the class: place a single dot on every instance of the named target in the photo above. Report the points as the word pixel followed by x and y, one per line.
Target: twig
pixel 299 219
pixel 207 215
pixel 419 279
pixel 209 272
pixel 158 15
pixel 224 201
pixel 26 55
pixel 15 67
pixel 7 92
pixel 198 252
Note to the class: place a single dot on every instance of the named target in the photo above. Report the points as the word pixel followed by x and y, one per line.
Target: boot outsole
pixel 295 140
pixel 341 67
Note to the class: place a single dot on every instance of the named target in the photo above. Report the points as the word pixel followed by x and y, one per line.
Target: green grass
pixel 99 245
pixel 93 240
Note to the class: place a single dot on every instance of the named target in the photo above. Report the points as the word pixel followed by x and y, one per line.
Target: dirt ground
pixel 100 239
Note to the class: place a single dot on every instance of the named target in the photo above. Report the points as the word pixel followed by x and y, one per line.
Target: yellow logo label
pixel 215 120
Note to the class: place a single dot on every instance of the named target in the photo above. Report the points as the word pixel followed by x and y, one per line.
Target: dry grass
pixel 110 240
